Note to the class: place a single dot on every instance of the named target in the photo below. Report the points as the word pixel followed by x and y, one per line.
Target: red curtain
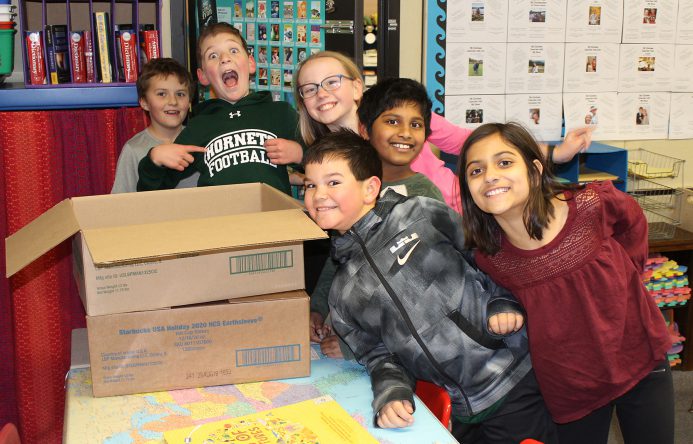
pixel 47 156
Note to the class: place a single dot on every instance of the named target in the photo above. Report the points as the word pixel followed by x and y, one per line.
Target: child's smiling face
pixel 336 108
pixel 226 67
pixel 334 198
pixel 398 134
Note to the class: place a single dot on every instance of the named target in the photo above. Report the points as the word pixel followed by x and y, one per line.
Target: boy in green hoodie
pixel 236 137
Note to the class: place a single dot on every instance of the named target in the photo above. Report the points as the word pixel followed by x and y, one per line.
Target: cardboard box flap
pixel 39 236
pixel 166 239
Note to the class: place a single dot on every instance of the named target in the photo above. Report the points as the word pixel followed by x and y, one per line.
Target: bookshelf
pixel 34 15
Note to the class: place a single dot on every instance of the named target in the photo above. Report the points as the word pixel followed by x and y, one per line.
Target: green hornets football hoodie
pixel 234 135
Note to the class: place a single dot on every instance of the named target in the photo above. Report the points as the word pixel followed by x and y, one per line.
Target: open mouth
pixel 497 191
pixel 230 78
pixel 172 112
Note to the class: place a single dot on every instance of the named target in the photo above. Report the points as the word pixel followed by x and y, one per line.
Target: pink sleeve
pixel 449 138
pixel 625 221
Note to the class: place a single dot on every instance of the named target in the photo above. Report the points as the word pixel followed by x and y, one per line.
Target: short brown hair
pixel 163 67
pixel 213 30
pixel 345 144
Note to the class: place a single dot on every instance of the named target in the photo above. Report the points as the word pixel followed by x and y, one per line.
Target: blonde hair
pixel 312 130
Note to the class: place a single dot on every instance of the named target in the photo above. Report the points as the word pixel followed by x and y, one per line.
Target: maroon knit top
pixel 594 331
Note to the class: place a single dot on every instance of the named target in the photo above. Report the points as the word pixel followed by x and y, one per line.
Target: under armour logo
pixel 235 114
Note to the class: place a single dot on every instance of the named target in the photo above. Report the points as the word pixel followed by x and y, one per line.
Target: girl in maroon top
pixel 573 257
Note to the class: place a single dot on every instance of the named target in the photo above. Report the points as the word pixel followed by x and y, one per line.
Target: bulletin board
pixel 280 35
pixel 622 66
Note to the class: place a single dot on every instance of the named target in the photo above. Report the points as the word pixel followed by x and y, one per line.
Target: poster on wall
pixel 471 111
pixel 536 21
pixel 651 21
pixel 684 23
pixel 534 67
pixel 681 118
pixel 477 21
pixel 643 115
pixel 645 67
pixel 591 67
pixel 683 69
pixel 594 21
pixel 539 113
pixel 598 110
pixel 477 68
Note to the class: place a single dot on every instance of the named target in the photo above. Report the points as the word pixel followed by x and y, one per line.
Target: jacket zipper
pixel 408 321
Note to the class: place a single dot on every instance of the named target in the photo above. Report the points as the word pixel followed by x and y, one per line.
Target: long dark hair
pixel 481 229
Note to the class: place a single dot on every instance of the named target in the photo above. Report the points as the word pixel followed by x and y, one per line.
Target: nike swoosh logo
pixel 403 260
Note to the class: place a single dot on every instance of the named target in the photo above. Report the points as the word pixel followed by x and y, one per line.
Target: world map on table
pixel 143 418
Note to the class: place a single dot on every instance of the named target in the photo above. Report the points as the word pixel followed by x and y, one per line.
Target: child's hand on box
pixel 174 156
pixel 505 323
pixel 283 151
pixel 396 414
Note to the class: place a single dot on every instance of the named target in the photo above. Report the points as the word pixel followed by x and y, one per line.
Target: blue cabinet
pixel 601 161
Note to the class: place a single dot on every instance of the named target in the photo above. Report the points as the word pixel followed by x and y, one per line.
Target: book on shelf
pixel 77 59
pixel 149 39
pixel 126 53
pixel 206 12
pixel 89 57
pixel 318 420
pixel 57 54
pixel 34 57
pixel 103 46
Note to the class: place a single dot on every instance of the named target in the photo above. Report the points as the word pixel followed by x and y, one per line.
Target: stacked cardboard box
pixel 184 288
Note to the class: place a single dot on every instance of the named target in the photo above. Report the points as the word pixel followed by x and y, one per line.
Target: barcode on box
pixel 268 355
pixel 253 263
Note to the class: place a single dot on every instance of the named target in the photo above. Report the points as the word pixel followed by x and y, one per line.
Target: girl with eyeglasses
pixel 328 88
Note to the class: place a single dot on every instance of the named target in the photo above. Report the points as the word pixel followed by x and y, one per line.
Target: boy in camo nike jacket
pixel 409 301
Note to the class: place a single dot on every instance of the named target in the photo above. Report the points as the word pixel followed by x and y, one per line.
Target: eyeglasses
pixel 330 83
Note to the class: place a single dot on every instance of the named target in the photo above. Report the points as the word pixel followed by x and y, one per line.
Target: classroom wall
pixel 682 149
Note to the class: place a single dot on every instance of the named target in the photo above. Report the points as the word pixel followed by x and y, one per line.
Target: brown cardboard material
pixel 250 339
pixel 143 251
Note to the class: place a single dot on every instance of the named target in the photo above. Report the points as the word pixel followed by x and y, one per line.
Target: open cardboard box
pixel 251 339
pixel 143 251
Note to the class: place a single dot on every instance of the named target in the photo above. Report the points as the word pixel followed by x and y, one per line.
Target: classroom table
pixel 142 418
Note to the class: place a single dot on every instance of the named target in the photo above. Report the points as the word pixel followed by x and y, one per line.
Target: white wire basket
pixel 643 164
pixel 653 195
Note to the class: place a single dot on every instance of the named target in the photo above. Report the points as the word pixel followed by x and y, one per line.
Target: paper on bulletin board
pixel 683 69
pixel 476 68
pixel 594 21
pixel 645 67
pixel 471 111
pixel 533 21
pixel 643 115
pixel 651 21
pixel 534 67
pixel 684 25
pixel 598 110
pixel 539 113
pixel 476 21
pixel 681 118
pixel 591 67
